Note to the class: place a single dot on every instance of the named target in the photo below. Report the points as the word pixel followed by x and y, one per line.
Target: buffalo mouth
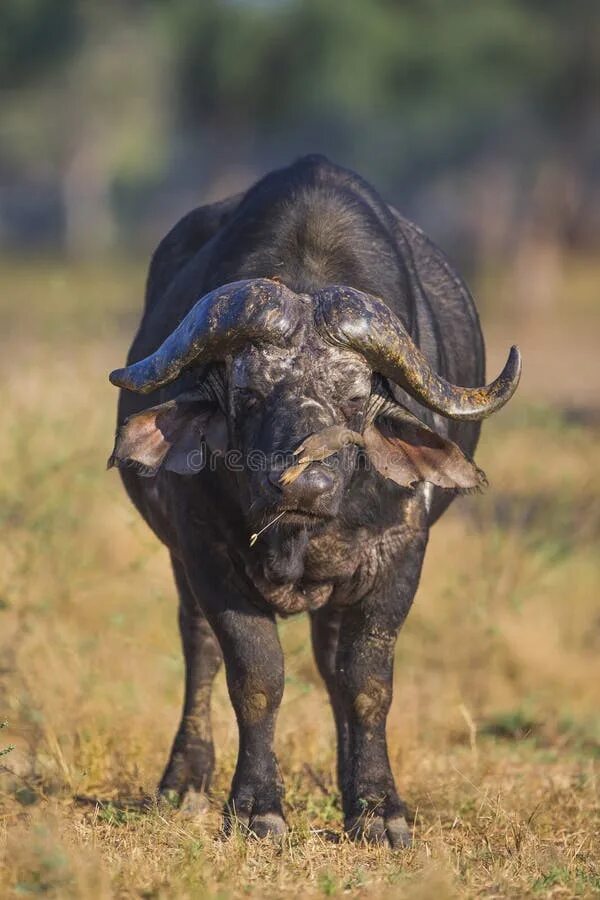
pixel 281 518
pixel 303 517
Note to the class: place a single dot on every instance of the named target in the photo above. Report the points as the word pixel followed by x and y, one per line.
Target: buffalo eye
pixel 353 405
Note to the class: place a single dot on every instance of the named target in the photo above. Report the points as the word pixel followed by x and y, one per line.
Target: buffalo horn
pixel 220 323
pixel 361 322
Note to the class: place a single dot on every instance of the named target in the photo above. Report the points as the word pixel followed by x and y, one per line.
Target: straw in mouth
pixel 254 537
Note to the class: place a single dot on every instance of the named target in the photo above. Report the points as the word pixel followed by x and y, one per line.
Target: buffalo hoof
pixel 255 824
pixel 189 803
pixel 388 831
pixel 194 804
pixel 267 825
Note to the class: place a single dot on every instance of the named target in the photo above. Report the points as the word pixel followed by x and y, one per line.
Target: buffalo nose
pixel 313 483
pixel 315 480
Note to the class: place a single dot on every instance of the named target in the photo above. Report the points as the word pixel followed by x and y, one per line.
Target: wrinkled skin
pixel 278 397
pixel 350 547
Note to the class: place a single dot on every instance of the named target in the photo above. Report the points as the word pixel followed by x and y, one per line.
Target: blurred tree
pixel 35 35
pixel 407 93
pixel 427 67
pixel 86 110
pixel 455 104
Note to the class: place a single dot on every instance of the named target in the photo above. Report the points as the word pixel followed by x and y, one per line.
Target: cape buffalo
pixel 300 404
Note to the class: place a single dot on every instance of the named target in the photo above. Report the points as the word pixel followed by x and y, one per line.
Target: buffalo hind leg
pixel 188 773
pixel 373 811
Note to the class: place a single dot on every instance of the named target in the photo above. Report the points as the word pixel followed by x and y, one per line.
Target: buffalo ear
pixel 406 451
pixel 173 435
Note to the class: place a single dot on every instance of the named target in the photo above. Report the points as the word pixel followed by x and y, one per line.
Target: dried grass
pixel 494 731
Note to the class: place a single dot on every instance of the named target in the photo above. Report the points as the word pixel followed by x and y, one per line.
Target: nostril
pixel 319 480
pixel 311 484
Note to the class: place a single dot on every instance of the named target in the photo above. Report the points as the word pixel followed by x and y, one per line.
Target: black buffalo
pixel 297 370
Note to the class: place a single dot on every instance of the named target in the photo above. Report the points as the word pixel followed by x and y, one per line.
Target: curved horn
pixel 219 323
pixel 350 318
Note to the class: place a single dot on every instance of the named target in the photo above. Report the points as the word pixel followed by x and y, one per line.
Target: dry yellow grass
pixel 494 731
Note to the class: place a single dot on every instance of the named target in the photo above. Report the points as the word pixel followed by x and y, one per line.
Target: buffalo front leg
pixel 254 668
pixel 189 770
pixel 373 809
pixel 253 659
pixel 325 630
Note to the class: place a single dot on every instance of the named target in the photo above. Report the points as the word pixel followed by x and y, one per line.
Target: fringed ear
pixel 406 451
pixel 173 435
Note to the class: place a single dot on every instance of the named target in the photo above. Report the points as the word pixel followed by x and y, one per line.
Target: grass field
pixel 495 725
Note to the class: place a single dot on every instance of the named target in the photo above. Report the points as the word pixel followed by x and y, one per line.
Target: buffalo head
pixel 294 388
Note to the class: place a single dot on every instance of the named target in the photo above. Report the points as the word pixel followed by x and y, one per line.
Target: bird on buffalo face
pixel 300 404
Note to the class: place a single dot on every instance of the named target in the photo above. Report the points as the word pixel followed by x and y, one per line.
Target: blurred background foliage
pixel 479 120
